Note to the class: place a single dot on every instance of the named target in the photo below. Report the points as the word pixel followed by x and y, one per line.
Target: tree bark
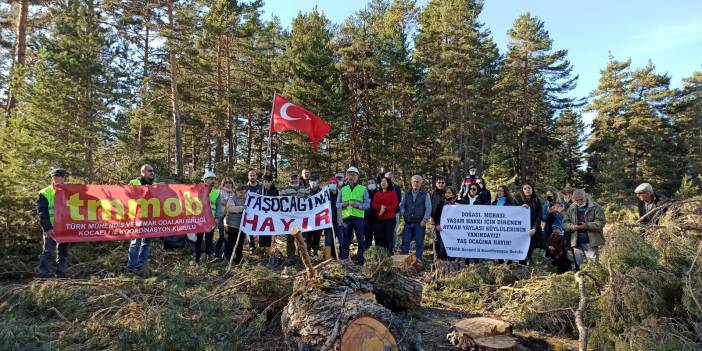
pixel 482 333
pixel 20 49
pixel 324 314
pixel 174 94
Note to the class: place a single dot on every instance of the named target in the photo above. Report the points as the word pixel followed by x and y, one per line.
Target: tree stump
pixel 483 334
pixel 336 311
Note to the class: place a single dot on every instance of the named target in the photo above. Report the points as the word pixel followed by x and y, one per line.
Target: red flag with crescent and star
pixel 289 116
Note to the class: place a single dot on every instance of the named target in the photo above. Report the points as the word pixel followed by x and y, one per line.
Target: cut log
pixel 367 333
pixel 398 292
pixel 482 333
pixel 326 314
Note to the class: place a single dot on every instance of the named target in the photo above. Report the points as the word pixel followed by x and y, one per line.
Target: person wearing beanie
pixel 140 248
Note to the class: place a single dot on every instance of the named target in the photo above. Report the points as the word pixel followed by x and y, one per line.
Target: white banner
pixel 278 215
pixel 491 232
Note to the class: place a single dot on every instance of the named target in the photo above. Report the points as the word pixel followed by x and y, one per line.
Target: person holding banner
pixel 234 238
pixel 267 189
pixel 353 202
pixel 416 210
pixel 226 190
pixel 210 178
pixel 139 248
pixel 384 205
pixel 313 238
pixel 527 198
pixel 253 185
pixel 450 196
pixel 45 212
pixel 329 244
pixel 294 188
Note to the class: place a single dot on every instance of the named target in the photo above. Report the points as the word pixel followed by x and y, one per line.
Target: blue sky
pixel 667 33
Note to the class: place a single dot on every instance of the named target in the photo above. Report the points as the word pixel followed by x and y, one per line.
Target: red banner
pixel 118 212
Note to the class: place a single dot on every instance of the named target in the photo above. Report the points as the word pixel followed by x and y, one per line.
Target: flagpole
pixel 270 136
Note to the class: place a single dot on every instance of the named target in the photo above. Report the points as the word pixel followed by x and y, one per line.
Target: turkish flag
pixel 289 116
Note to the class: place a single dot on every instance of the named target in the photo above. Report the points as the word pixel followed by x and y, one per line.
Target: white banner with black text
pixel 487 232
pixel 278 215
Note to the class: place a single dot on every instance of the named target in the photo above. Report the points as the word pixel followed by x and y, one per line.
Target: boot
pixel 327 252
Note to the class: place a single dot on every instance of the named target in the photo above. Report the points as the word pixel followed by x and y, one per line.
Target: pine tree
pixel 532 85
pixel 569 137
pixel 632 110
pixel 459 61
pixel 688 124
pixel 310 79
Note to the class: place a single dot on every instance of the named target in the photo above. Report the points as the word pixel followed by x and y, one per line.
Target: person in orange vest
pixel 45 212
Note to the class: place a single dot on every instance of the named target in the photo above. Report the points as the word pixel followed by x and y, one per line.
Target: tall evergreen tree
pixel 459 61
pixel 310 79
pixel 532 84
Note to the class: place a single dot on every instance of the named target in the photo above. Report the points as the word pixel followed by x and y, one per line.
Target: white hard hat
pixel 209 174
pixel 353 169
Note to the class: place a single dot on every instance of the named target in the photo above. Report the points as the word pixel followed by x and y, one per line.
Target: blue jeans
pixel 138 253
pixel 414 232
pixel 357 225
pixel 46 257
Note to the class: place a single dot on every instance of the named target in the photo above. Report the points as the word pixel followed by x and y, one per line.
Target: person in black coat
pixel 527 197
pixel 450 195
pixel 267 189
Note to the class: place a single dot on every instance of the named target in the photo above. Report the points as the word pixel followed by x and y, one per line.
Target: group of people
pixel 568 224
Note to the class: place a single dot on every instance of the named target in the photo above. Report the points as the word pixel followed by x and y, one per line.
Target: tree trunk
pixel 337 313
pixel 174 95
pixel 144 80
pixel 483 334
pixel 20 49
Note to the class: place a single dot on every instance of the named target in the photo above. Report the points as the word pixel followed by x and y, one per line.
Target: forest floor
pixel 175 304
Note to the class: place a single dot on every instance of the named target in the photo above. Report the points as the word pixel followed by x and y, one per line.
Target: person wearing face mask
pixel 552 218
pixel 267 189
pixel 527 198
pixel 384 205
pixel 329 240
pixel 210 179
pixel 370 215
pixel 586 219
pixel 313 238
pixel 450 196
pixel 398 190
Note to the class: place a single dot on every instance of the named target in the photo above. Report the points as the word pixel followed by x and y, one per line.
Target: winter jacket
pixel 389 200
pixel 437 196
pixel 658 200
pixel 594 219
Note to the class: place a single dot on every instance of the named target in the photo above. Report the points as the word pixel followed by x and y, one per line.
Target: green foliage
pixel 627 250
pixel 687 189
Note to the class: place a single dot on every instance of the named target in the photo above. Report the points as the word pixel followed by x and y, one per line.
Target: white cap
pixel 388 175
pixel 644 188
pixel 353 169
pixel 209 174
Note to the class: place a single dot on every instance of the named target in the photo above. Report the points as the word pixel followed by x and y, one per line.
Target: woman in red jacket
pixel 384 206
